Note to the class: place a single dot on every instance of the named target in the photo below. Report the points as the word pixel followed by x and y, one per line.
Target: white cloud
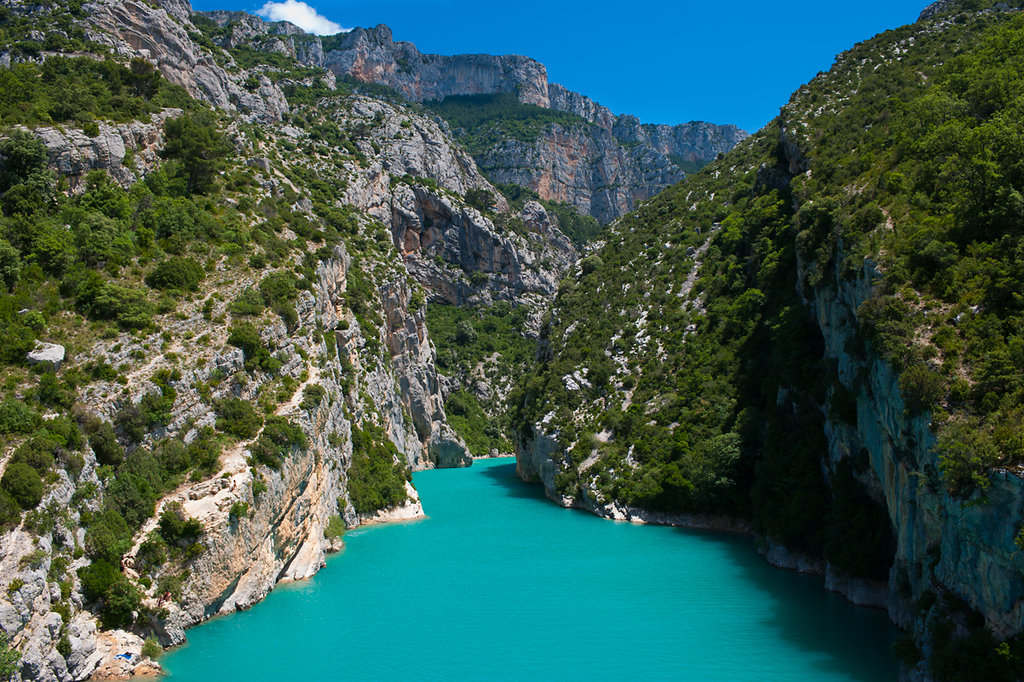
pixel 302 15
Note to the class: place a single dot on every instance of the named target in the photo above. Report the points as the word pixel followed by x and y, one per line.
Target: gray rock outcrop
pixel 371 55
pixel 161 34
pixel 46 353
pixel 603 166
pixel 414 179
pixel 72 153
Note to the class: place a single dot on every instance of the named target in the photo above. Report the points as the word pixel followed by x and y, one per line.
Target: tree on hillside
pixel 195 141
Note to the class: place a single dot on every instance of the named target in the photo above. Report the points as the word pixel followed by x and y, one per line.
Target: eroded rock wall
pixel 943 543
pixel 162 34
pixel 603 167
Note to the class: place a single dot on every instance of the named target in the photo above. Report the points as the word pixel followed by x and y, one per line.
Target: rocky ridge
pixel 161 34
pixel 402 189
pixel 603 166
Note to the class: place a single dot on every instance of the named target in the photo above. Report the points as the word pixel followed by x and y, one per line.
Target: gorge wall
pixel 345 356
pixel 602 164
pixel 752 367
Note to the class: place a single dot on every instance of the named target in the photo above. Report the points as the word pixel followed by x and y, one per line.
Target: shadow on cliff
pixel 503 476
pixel 819 622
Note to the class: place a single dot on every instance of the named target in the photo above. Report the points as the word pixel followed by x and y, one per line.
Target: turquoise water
pixel 499 583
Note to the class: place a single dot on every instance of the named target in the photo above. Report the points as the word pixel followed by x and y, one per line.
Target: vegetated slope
pixel 519 128
pixel 821 333
pixel 235 258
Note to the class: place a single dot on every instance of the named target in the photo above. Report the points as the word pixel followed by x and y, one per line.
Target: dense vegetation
pixel 577 227
pixel 81 90
pixel 485 346
pixel 26 32
pixel 148 273
pixel 482 121
pixel 375 479
pixel 939 208
pixel 684 380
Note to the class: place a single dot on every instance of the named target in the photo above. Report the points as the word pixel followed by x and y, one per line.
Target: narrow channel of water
pixel 499 583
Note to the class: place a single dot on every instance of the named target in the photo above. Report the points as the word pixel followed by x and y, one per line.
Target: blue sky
pixel 666 62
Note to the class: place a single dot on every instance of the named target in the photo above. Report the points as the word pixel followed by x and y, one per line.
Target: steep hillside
pixel 819 334
pixel 599 163
pixel 215 271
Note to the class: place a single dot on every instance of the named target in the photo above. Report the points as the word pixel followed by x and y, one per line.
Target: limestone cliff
pixel 943 542
pixel 348 350
pixel 603 166
pixel 164 35
pixel 371 55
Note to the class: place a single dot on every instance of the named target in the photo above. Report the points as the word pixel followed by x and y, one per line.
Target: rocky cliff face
pixel 73 154
pixel 282 535
pixel 414 180
pixel 371 55
pixel 163 35
pixel 585 166
pixel 603 169
pixel 400 186
pixel 943 543
pixel 608 167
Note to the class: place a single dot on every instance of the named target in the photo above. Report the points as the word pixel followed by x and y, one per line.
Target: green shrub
pixel 54 393
pixel 278 438
pixel 239 510
pixel 248 302
pixel 591 263
pixel 38 453
pixel 9 658
pixel 177 530
pixel 33 559
pixel 335 528
pixel 170 584
pixel 194 140
pixel 120 603
pixel 244 336
pixel 152 553
pixel 966 454
pixel 312 395
pixel 204 453
pixel 176 273
pixel 107 537
pixel 375 478
pixel 10 510
pixel 238 417
pixel 151 648
pixel 10 265
pixel 96 579
pixel 921 388
pixel 480 199
pixel 23 484
pixel 17 417
pixel 279 287
pixel 104 443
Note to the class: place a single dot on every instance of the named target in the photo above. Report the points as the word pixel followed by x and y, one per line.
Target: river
pixel 499 583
